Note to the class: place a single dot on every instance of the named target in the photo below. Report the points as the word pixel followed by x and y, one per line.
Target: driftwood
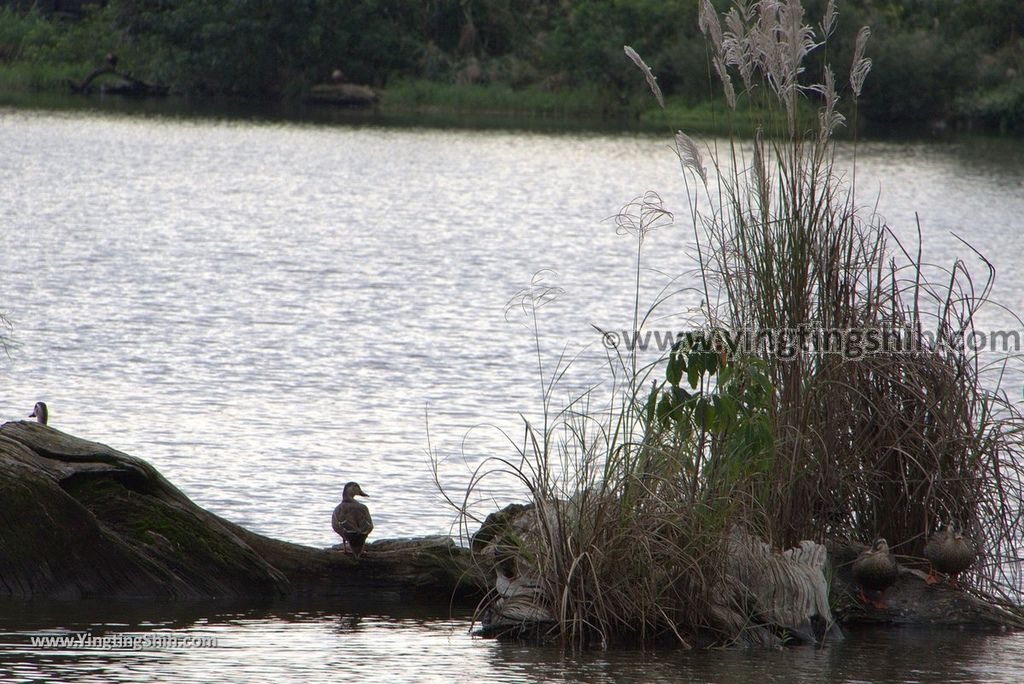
pixel 343 94
pixel 128 85
pixel 787 592
pixel 79 519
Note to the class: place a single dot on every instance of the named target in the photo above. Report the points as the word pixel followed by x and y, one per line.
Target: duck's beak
pixel 32 415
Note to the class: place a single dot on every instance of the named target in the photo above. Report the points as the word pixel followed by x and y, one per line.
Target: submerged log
pixel 343 94
pixel 79 519
pixel 126 85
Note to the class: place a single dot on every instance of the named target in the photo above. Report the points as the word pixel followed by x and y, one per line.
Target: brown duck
pixel 875 570
pixel 949 552
pixel 351 519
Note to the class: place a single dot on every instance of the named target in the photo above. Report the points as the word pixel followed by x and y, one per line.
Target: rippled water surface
pixel 267 310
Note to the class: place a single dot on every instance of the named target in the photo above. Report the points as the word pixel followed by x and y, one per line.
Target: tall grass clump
pixel 752 429
pixel 885 440
pixel 624 541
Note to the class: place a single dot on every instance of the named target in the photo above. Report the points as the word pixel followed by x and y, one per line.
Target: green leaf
pixel 726 410
pixel 664 409
pixel 710 362
pixel 704 413
pixel 694 369
pixel 676 366
pixel 650 407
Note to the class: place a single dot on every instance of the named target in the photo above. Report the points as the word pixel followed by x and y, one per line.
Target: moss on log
pixel 79 519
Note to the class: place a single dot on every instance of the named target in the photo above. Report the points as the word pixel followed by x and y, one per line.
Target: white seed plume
pixel 651 81
pixel 828 22
pixel 690 156
pixel 759 168
pixel 709 24
pixel 861 64
pixel 642 215
pixel 723 73
pixel 738 45
pixel 828 117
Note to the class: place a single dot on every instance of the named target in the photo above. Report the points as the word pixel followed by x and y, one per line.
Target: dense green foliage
pixel 935 60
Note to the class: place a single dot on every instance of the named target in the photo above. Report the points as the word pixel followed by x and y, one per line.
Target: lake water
pixel 265 310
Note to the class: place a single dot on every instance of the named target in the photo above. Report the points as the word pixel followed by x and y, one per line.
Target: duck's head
pixel 40 413
pixel 352 490
pixel 880 546
pixel 955 529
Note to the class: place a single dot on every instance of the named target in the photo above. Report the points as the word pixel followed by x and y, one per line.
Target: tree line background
pixel 934 60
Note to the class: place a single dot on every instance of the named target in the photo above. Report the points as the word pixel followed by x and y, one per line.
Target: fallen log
pixel 127 85
pixel 342 94
pixel 81 520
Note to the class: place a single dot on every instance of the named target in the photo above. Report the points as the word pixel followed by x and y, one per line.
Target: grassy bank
pixel 27 77
pixel 583 104
pixel 431 98
pixel 500 98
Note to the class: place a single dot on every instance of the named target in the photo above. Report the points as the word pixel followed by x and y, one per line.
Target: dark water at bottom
pixel 325 642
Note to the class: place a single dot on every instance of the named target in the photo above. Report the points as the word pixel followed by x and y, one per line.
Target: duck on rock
pixel 352 519
pixel 875 570
pixel 949 552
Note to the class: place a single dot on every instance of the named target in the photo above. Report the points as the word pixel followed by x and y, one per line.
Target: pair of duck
pixel 948 551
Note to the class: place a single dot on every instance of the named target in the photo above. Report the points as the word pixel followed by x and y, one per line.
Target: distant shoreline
pixel 454 106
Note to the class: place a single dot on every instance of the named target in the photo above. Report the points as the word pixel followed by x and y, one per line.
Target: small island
pixel 84 521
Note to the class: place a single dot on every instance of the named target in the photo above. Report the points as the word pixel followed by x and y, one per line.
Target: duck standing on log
pixel 40 413
pixel 352 519
pixel 875 570
pixel 949 552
